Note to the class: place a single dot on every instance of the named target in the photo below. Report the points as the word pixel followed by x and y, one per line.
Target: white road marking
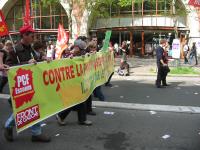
pixel 149 107
pixel 4 96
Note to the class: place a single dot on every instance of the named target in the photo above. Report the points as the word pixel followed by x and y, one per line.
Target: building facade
pixel 143 23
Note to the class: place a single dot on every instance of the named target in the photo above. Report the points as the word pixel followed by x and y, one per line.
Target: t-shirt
pixel 185 48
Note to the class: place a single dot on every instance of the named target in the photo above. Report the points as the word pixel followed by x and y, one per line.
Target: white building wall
pixel 138 21
pixel 193 23
pixel 2 3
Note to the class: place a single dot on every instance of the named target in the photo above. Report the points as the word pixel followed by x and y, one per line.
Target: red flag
pixel 62 40
pixel 195 3
pixel 3 27
pixel 27 17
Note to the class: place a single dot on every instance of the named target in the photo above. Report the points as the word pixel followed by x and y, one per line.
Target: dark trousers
pixel 194 55
pixel 81 111
pixel 185 58
pixel 164 79
pixel 108 82
pixel 125 65
pixel 160 76
pixel 89 104
pixel 196 59
pixel 98 93
pixel 3 82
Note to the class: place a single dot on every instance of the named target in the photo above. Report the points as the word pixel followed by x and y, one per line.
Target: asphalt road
pixel 141 89
pixel 124 129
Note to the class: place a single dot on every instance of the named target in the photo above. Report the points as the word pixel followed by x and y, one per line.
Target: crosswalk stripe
pixel 4 96
pixel 148 107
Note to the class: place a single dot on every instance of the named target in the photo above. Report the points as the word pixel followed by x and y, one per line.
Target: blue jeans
pixel 191 57
pixel 35 129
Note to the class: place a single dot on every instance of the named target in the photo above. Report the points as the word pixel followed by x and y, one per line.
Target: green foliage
pixel 100 8
pixel 46 3
pixel 124 3
pixel 183 70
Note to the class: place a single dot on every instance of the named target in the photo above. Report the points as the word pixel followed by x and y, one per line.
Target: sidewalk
pixel 147 67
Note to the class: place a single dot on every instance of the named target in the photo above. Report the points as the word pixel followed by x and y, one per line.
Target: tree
pixel 48 2
pixel 82 13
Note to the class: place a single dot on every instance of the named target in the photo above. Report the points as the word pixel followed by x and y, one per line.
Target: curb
pixel 149 107
pixel 142 107
pixel 169 75
pixel 154 74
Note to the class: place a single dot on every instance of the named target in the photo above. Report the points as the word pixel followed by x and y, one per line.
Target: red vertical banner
pixel 3 27
pixel 62 39
pixel 27 17
pixel 195 3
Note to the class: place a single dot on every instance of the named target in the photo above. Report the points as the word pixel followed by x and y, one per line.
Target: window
pixel 43 17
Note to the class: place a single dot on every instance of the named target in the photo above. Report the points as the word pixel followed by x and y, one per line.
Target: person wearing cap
pixel 160 62
pixel 81 45
pixel 79 49
pixel 67 51
pixel 24 54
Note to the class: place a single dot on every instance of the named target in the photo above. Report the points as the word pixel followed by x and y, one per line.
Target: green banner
pixel 106 40
pixel 42 90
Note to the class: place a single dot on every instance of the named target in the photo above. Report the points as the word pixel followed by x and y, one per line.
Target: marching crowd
pixel 29 51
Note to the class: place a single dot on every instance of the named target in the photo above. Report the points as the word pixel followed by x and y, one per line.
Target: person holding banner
pixel 92 48
pixel 24 54
pixel 79 48
pixel 3 67
pixel 97 91
pixel 160 62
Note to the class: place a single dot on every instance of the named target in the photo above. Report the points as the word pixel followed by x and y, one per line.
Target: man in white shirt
pixel 185 50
